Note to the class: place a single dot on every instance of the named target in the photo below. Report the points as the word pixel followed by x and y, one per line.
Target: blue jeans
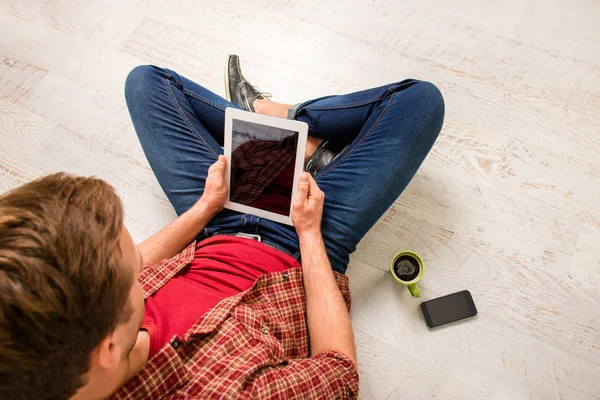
pixel 389 131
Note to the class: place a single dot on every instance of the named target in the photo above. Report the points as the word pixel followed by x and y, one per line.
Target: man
pixel 226 316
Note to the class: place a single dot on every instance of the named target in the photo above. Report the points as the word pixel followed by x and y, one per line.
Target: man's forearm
pixel 174 237
pixel 328 319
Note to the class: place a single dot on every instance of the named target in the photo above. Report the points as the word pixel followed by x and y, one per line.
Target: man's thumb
pixel 303 186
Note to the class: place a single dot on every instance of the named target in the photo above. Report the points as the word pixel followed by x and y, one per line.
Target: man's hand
pixel 174 237
pixel 215 188
pixel 307 209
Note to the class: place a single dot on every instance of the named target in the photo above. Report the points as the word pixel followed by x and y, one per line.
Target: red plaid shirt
pixel 251 345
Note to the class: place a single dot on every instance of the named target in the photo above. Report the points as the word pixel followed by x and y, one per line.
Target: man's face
pixel 111 363
pixel 126 333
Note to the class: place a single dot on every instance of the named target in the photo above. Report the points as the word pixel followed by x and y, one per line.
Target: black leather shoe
pixel 237 89
pixel 323 155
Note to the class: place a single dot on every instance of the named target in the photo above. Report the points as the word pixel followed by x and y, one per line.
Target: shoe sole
pixel 227 90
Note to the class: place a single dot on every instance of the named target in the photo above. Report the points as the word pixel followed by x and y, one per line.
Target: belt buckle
pixel 249 236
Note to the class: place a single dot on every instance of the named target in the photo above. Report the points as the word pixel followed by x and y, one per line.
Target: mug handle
pixel 414 290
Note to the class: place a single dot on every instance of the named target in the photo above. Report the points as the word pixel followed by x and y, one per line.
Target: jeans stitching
pixel 182 114
pixel 357 103
pixel 385 110
pixel 202 99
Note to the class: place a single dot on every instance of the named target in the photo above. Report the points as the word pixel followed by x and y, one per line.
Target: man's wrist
pixel 203 209
pixel 310 237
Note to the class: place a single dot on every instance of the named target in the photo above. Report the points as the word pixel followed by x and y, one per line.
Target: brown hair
pixel 62 288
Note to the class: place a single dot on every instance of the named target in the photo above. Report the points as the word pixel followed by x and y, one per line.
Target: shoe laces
pixel 265 95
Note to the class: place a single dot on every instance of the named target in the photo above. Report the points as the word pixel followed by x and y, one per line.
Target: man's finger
pixel 303 185
pixel 220 164
pixel 218 167
pixel 313 187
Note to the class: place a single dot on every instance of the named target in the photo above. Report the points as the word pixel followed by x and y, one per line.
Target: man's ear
pixel 108 353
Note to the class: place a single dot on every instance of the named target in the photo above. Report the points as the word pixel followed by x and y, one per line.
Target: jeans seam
pixel 349 105
pixel 333 167
pixel 202 99
pixel 182 114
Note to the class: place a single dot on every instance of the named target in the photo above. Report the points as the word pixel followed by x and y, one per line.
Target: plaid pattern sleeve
pixel 250 345
pixel 328 375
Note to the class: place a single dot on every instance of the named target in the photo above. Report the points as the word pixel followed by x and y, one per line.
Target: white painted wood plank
pixel 71 57
pixel 104 22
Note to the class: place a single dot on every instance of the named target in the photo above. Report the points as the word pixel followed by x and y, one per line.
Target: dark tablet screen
pixel 263 160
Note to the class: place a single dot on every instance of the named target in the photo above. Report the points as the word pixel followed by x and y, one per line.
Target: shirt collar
pixel 164 374
pixel 154 277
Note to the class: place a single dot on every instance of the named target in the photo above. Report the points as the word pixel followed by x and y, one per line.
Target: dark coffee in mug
pixel 406 268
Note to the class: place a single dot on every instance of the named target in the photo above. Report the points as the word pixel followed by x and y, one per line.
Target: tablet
pixel 265 157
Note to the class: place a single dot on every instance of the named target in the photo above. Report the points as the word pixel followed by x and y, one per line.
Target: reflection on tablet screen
pixel 263 159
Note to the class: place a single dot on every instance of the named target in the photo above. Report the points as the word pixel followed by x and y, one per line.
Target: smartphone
pixel 447 309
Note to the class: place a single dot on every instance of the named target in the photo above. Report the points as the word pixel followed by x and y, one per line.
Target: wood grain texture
pixel 506 205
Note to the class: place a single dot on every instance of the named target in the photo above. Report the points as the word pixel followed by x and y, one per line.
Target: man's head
pixel 70 303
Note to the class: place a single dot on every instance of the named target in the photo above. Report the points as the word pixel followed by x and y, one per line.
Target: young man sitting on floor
pixel 201 309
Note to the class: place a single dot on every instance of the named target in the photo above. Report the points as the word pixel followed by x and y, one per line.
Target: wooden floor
pixel 507 204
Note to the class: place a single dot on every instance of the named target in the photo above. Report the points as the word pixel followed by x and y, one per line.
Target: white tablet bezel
pixel 296 126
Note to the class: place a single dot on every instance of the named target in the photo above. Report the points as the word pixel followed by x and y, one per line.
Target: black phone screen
pixel 447 309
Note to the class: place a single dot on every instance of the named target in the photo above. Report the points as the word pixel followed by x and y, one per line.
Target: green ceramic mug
pixel 407 268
